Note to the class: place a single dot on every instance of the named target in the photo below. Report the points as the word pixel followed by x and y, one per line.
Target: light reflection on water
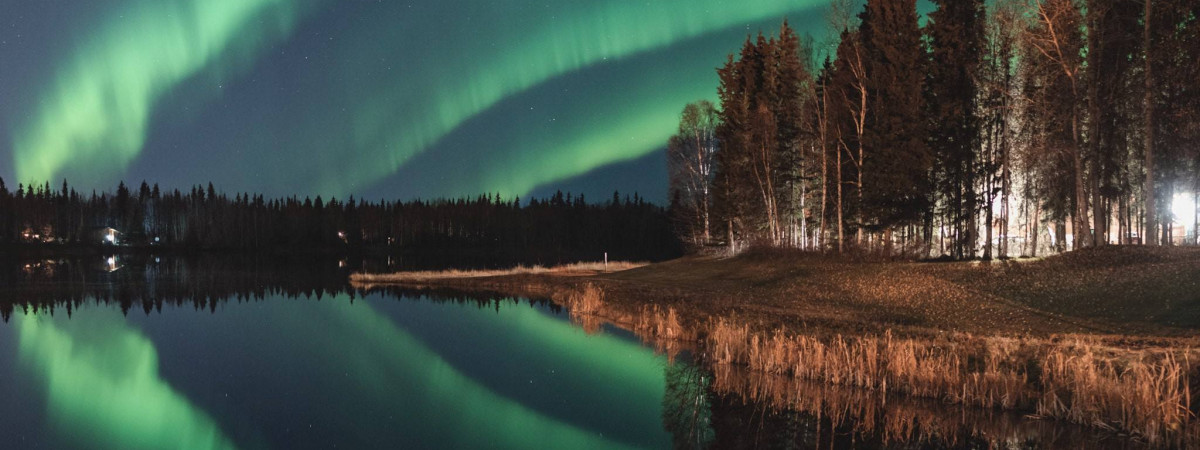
pixel 237 356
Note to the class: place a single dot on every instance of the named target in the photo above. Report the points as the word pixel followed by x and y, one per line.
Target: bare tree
pixel 690 158
pixel 1056 37
pixel 1002 30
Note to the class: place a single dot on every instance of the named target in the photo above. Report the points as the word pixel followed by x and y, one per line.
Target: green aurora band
pixel 352 121
pixel 96 111
pixel 103 385
pixel 591 34
pixel 643 125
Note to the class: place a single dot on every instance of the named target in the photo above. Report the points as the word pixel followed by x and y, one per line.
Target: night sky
pixel 379 99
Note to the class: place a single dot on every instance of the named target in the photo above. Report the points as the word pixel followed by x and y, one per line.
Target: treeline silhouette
pixel 551 230
pixel 203 282
pixel 148 283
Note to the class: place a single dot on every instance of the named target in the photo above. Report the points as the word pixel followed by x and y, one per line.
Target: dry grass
pixel 580 268
pixel 1148 392
pixel 661 327
pixel 1144 392
pixel 895 420
pixel 1127 290
pixel 584 305
pixel 657 326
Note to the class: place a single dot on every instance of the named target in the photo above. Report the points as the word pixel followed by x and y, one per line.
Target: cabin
pixel 31 235
pixel 104 236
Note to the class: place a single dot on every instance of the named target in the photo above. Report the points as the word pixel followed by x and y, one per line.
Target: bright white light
pixel 111 238
pixel 1183 206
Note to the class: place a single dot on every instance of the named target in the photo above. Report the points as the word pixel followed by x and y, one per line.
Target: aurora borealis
pixel 381 99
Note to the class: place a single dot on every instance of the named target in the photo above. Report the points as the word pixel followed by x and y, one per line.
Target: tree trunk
pixel 987 247
pixel 824 190
pixel 942 235
pixel 1081 236
pixel 1195 216
pixel 732 244
pixel 801 237
pixel 824 124
pixel 1148 105
pixel 1100 214
pixel 1005 186
pixel 840 219
pixel 1033 231
pixel 858 235
pixel 1060 235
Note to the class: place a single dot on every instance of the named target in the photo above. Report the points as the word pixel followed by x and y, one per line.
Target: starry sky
pixel 377 99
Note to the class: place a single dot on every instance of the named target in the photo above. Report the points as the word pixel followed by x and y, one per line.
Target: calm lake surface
pixel 149 353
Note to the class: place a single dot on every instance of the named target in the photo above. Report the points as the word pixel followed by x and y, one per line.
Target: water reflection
pixel 103 387
pixel 332 369
pixel 815 415
pixel 150 282
pixel 687 406
pixel 288 355
pixel 387 362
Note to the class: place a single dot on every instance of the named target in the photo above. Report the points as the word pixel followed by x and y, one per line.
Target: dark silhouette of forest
pixel 542 231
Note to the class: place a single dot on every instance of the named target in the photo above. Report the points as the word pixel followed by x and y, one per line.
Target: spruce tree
pixel 955 33
pixel 896 183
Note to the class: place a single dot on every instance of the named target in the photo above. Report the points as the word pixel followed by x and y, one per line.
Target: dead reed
pixel 1145 391
pixel 892 420
pixel 661 327
pixel 1138 391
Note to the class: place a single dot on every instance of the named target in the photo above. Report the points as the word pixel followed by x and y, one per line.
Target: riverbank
pixel 1099 337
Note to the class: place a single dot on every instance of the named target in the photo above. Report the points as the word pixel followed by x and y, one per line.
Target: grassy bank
pixel 575 269
pixel 1101 337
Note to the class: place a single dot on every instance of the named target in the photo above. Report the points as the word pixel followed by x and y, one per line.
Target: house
pixel 104 235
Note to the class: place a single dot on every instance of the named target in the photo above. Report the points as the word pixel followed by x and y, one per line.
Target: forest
pixel 551 230
pixel 982 129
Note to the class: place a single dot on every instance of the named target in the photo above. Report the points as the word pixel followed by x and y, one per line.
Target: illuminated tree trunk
pixel 1151 210
pixel 824 123
pixel 1082 235
pixel 1196 215
pixel 840 219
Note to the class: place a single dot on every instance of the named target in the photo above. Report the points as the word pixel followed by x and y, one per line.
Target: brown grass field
pixel 1101 337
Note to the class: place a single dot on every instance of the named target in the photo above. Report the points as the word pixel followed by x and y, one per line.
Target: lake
pixel 119 352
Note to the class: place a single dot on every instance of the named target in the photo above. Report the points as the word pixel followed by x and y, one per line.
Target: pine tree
pixel 956 38
pixel 896 167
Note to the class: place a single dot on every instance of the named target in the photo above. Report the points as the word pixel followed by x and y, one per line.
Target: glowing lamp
pixel 1183 207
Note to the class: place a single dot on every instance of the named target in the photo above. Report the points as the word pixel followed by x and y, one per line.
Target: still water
pixel 147 353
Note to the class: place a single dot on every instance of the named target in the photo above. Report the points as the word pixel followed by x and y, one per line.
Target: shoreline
pixel 760 311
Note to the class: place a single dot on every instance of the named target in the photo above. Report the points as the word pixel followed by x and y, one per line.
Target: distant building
pixel 104 235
